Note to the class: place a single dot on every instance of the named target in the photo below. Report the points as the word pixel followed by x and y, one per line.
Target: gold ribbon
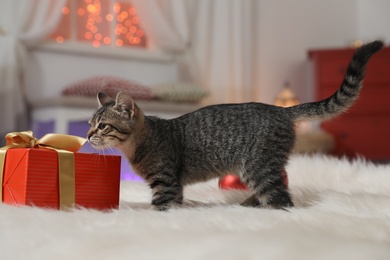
pixel 65 145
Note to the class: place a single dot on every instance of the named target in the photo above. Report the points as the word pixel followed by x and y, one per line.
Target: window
pixel 100 23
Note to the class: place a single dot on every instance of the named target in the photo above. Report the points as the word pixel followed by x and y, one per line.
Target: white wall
pixel 286 30
pixel 289 28
pixel 373 20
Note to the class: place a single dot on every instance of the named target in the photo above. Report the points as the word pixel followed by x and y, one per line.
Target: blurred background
pixel 174 56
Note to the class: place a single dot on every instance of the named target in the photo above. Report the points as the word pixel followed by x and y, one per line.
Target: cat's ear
pixel 126 103
pixel 103 99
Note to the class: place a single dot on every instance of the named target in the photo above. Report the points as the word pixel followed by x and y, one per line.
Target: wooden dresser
pixel 365 129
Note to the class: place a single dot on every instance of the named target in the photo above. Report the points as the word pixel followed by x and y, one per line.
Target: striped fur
pixel 252 140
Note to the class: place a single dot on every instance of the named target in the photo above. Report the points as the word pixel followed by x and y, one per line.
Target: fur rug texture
pixel 342 212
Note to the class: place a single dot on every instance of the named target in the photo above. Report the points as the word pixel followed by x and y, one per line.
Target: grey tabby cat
pixel 252 140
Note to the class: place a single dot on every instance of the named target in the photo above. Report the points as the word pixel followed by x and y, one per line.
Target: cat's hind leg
pixel 252 201
pixel 267 183
pixel 179 197
pixel 271 194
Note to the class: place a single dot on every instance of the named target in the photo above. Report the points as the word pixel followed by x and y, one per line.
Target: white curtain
pixel 217 39
pixel 21 22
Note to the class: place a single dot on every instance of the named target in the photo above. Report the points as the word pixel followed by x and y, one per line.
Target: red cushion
pixel 109 85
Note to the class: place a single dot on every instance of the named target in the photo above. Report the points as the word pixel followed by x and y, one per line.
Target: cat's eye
pixel 101 126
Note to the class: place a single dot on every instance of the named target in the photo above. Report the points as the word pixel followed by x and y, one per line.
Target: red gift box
pixel 35 176
pixel 31 178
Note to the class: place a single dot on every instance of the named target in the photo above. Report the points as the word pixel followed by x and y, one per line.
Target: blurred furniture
pixel 62 111
pixel 365 129
pixel 315 141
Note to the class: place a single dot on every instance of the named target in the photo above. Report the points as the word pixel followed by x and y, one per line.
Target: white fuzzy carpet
pixel 342 212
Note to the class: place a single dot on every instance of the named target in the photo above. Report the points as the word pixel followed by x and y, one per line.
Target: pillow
pixel 109 85
pixel 181 92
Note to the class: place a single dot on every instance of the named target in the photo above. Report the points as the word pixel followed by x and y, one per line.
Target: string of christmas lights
pixel 101 22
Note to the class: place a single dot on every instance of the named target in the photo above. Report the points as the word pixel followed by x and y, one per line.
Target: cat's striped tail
pixel 346 95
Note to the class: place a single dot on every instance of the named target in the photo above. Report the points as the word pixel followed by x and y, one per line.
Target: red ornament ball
pixel 234 182
pixel 231 182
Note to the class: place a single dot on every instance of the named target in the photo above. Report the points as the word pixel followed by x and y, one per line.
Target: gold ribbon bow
pixel 65 145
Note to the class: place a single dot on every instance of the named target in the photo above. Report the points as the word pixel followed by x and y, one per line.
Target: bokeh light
pixel 100 22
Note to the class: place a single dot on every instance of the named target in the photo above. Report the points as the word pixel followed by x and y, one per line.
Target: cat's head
pixel 115 121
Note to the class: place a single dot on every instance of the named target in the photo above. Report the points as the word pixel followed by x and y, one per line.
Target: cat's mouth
pixel 97 143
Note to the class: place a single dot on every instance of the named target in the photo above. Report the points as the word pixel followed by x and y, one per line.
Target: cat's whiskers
pixel 104 151
pixel 110 148
pixel 96 155
pixel 107 149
